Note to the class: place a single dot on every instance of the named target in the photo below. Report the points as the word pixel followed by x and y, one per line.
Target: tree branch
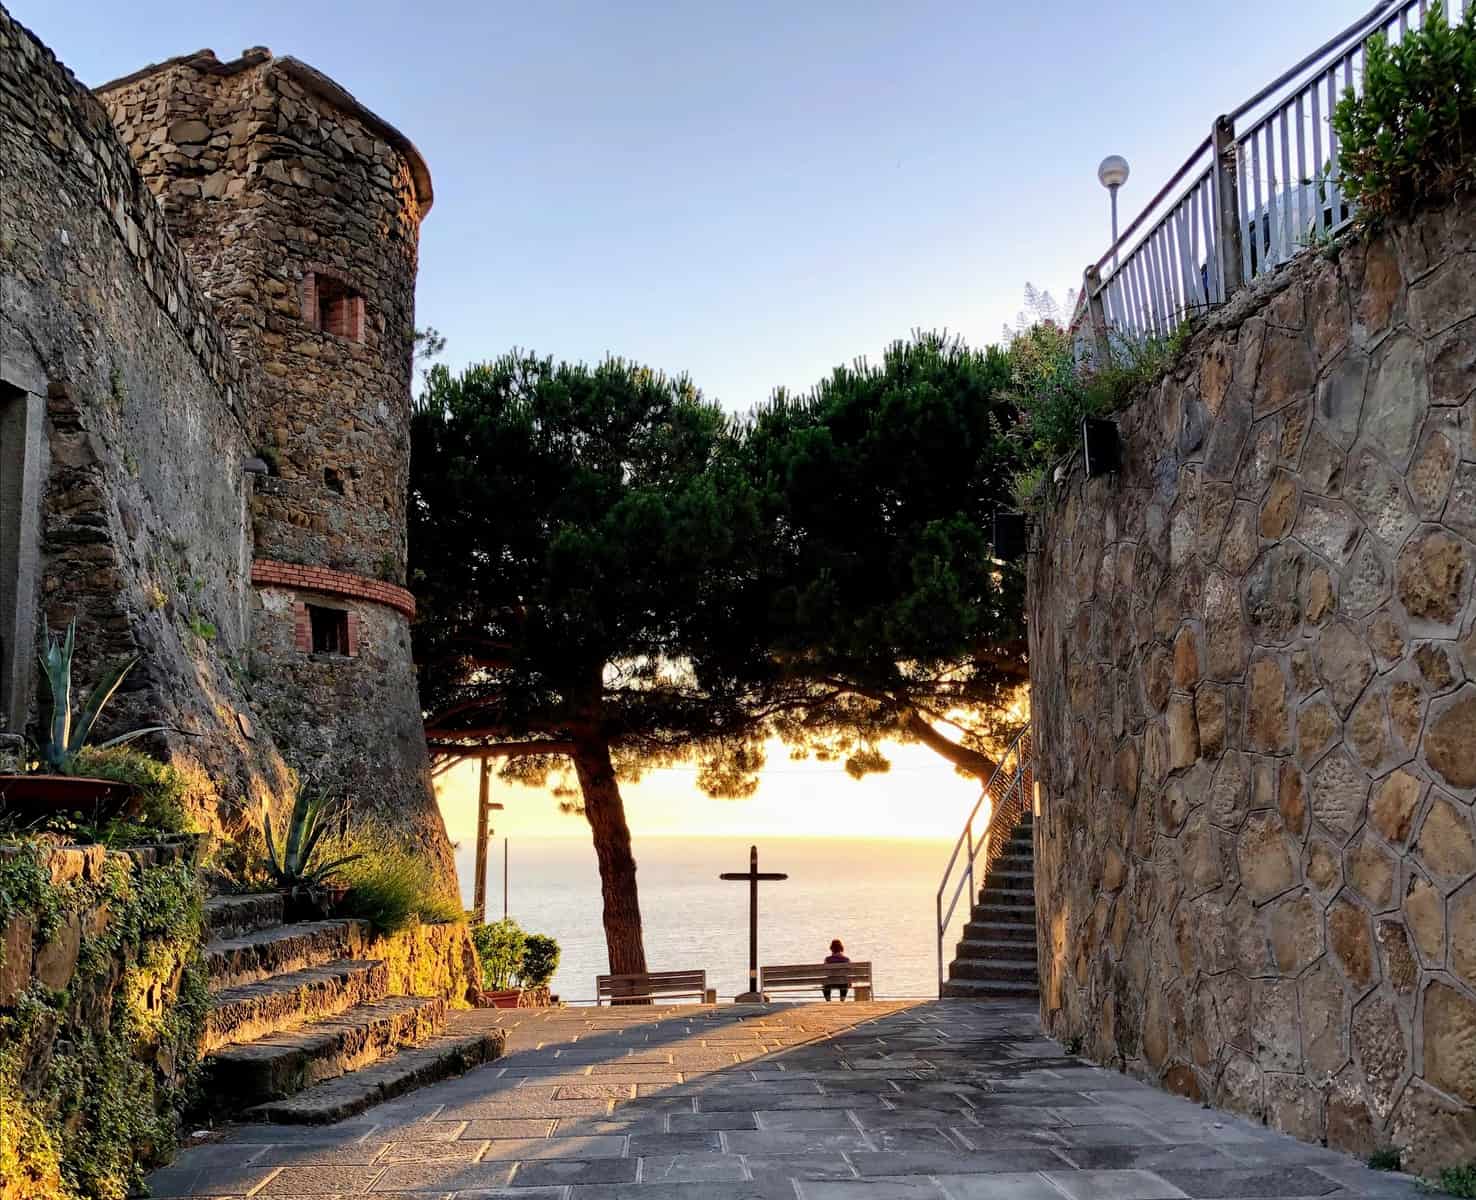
pixel 980 765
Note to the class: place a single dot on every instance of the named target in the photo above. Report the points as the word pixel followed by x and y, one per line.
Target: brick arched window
pixel 330 304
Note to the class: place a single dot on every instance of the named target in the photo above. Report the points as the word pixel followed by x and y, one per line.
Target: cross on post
pixel 752 877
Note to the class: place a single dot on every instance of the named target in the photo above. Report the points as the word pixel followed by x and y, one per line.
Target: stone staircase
pixel 996 957
pixel 301 1027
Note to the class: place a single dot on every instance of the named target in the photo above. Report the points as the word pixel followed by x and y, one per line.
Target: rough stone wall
pixel 142 500
pixel 1253 658
pixel 278 184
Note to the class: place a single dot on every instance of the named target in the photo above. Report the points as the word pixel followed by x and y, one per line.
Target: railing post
pixel 1227 207
pixel 941 976
pixel 971 865
pixel 1091 284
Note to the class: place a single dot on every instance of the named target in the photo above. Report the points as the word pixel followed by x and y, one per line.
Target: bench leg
pixel 863 991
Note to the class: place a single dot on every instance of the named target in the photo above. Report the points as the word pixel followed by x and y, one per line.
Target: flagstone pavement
pixel 944 1100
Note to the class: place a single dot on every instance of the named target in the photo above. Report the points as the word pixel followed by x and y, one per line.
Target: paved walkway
pixel 944 1099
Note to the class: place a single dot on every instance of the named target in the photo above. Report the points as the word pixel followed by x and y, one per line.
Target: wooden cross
pixel 752 876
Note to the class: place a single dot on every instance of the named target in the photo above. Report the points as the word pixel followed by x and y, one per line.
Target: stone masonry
pixel 123 437
pixel 1254 675
pixel 300 213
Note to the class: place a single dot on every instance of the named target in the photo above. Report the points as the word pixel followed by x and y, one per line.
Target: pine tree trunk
pixel 606 814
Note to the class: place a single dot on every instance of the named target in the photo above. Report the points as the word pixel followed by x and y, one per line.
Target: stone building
pixel 1253 659
pixel 207 340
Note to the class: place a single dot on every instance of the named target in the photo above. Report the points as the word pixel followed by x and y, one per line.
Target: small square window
pixel 329 304
pixel 330 627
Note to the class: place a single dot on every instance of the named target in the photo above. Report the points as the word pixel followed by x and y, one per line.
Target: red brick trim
pixel 302 627
pixel 266 572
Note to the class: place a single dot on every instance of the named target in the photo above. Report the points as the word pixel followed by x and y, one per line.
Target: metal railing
pixel 1008 793
pixel 1243 202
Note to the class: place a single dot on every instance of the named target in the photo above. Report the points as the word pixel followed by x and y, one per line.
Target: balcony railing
pixel 1263 185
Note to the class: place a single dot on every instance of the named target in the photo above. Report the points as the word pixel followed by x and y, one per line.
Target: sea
pixel 877 896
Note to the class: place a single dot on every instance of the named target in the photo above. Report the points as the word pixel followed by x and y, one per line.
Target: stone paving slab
pixel 943 1100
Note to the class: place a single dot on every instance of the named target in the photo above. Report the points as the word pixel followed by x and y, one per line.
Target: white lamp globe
pixel 1114 171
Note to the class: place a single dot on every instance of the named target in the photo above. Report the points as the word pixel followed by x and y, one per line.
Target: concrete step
pixel 978 989
pixel 994 969
pixel 267 952
pixel 999 894
pixel 1018 951
pixel 233 916
pixel 1023 863
pixel 999 931
pixel 467 1043
pixel 253 1010
pixel 282 1064
pixel 993 913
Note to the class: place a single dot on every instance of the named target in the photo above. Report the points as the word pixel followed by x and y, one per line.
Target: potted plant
pixel 54 786
pixel 516 966
pixel 310 890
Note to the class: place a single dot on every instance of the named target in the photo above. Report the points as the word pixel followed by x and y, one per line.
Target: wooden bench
pixel 805 976
pixel 658 985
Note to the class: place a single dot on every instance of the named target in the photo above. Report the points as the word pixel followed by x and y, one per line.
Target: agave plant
pixel 293 866
pixel 65 733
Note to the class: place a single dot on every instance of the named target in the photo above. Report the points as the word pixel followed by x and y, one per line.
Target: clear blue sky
pixel 747 191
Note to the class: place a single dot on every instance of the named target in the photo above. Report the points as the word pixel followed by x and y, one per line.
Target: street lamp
pixel 1113 173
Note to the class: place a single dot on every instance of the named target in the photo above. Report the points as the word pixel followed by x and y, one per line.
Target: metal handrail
pixel 1008 793
pixel 1242 202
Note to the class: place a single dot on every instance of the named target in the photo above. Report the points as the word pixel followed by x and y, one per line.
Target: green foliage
pixel 1387 1158
pixel 1411 137
pixel 1460 1181
pixel 93 1079
pixel 166 792
pixel 1054 392
pixel 389 885
pixel 202 628
pixel 66 733
pixel 511 957
pixel 293 865
pixel 500 946
pixel 876 609
pixel 540 960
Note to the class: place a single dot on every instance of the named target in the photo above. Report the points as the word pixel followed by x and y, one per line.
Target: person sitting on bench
pixel 837 955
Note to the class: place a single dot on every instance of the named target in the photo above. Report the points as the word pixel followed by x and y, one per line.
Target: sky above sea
pixel 753 192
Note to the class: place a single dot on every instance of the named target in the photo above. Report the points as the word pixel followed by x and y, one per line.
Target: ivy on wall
pixel 94 1077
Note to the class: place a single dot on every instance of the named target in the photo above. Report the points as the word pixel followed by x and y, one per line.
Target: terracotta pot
pixel 41 796
pixel 506 998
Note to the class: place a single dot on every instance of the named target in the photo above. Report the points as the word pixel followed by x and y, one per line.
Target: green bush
pixel 1460 1181
pixel 1385 1159
pixel 540 960
pixel 167 792
pixel 500 946
pixel 512 958
pixel 1411 136
pixel 388 885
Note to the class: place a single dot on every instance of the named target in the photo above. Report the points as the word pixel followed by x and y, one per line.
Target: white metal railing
pixel 1245 202
pixel 1008 793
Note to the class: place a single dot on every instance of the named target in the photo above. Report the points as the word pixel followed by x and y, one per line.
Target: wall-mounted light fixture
pixel 1101 446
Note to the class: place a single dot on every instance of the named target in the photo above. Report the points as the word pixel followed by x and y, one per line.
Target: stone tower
pixel 300 212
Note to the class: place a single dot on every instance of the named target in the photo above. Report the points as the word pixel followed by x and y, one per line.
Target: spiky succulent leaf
pixel 96 702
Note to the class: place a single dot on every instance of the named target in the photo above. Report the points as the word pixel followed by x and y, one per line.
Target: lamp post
pixel 1113 173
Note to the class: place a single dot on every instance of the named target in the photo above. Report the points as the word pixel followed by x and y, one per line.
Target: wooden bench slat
pixel 653 984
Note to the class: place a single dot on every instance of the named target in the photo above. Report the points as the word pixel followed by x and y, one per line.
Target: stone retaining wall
pixel 1253 658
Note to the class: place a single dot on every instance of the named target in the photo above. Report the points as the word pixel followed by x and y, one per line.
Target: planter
pixel 505 998
pixel 312 904
pixel 37 797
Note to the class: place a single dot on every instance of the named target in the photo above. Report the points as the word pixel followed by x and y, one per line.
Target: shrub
pixel 500 946
pixel 540 960
pixel 168 793
pixel 1386 1158
pixel 388 885
pixel 513 958
pixel 1411 136
pixel 1460 1181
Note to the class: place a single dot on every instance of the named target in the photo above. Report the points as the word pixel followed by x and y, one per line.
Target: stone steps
pixel 263 953
pixel 235 916
pixel 996 957
pixel 282 1002
pixel 467 1043
pixel 243 1074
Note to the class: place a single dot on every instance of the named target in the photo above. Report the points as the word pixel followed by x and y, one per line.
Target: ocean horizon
pixel 878 895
